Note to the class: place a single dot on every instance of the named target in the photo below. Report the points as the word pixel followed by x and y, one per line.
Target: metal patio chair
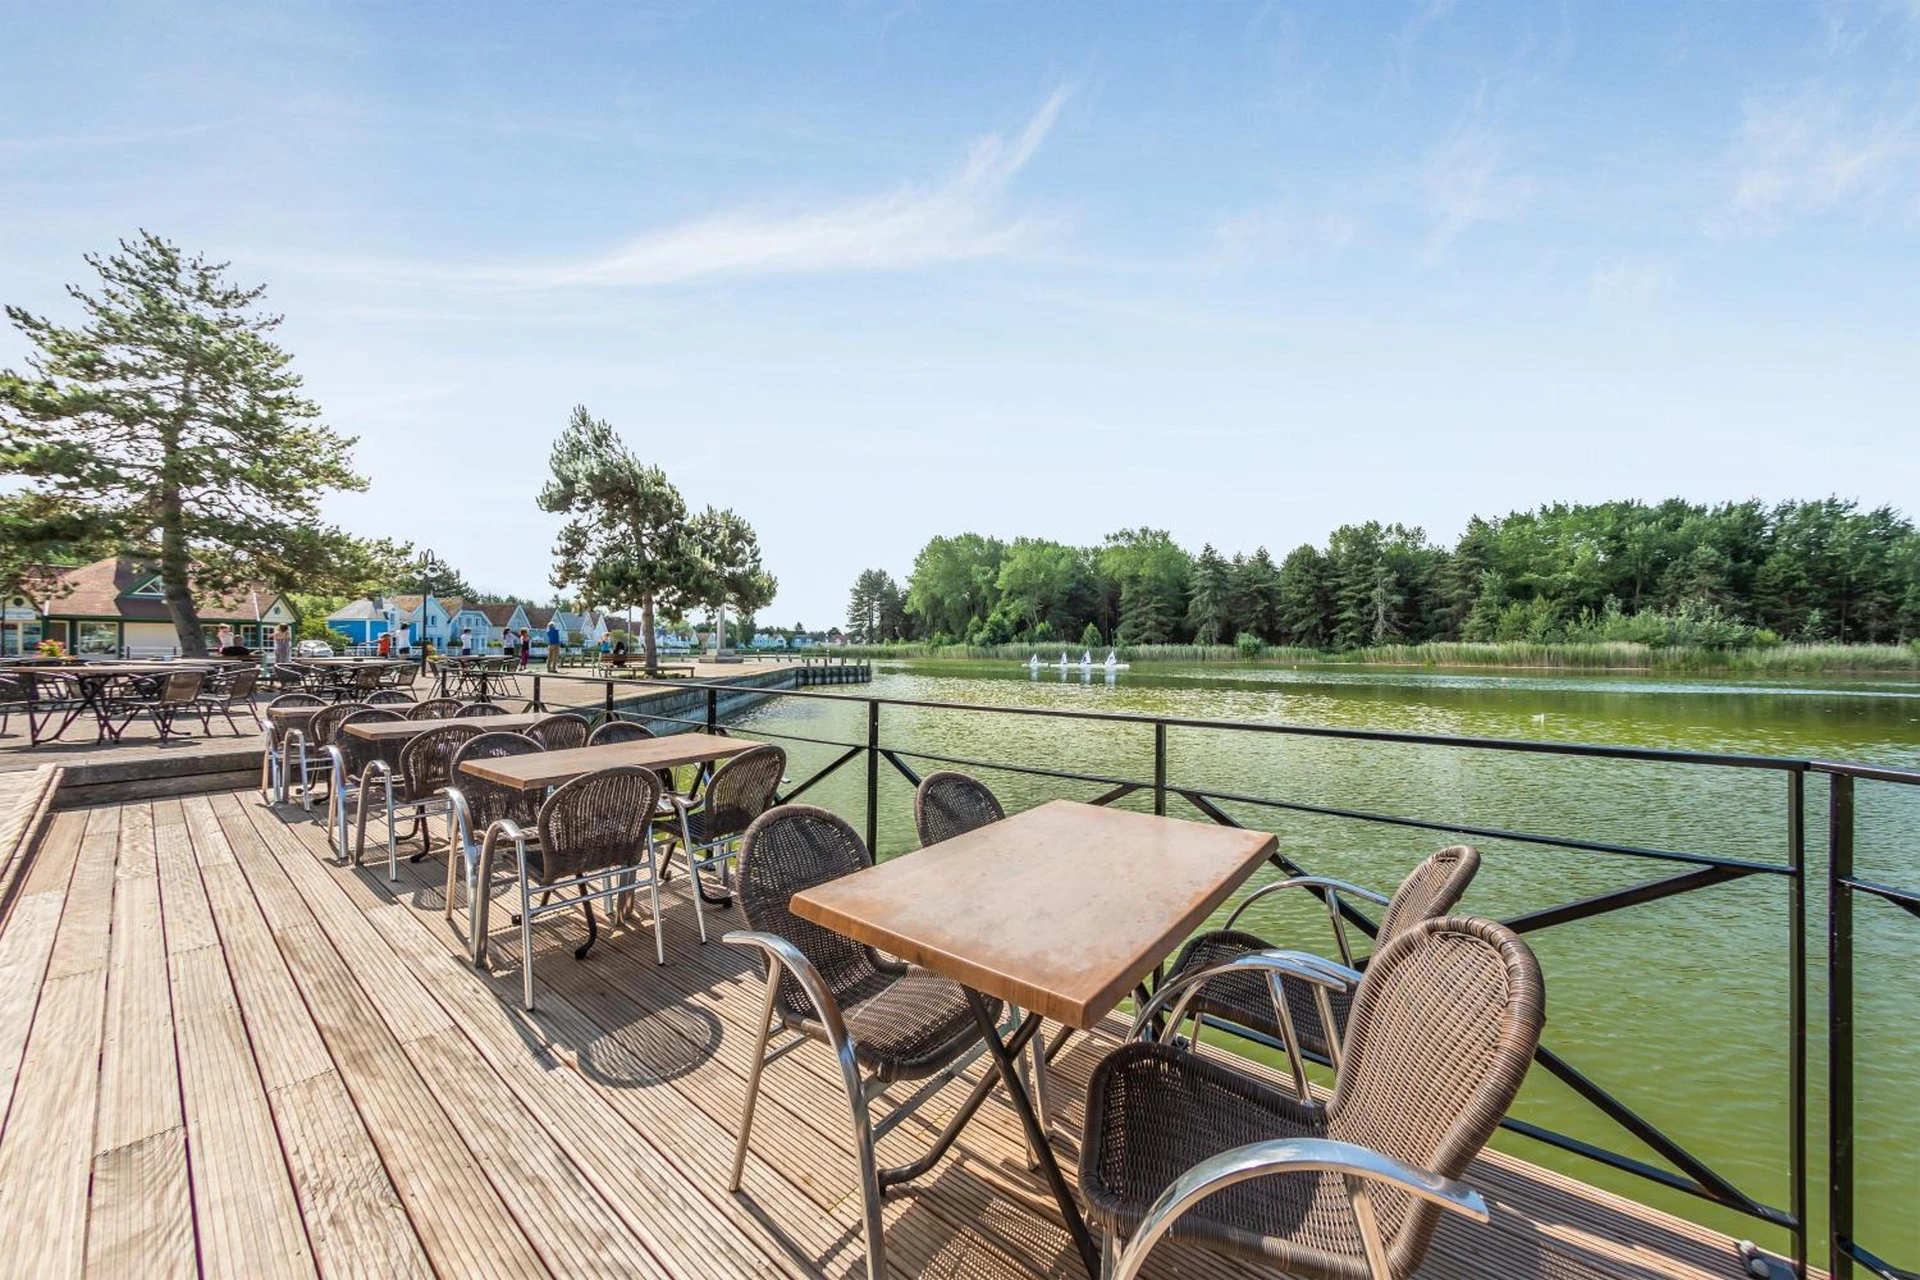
pixel 222 690
pixel 413 790
pixel 1244 999
pixel 1444 1026
pixel 594 834
pixel 708 830
pixel 349 758
pixel 161 699
pixel 435 709
pixel 479 808
pixel 307 746
pixel 273 760
pixel 560 732
pixel 883 1020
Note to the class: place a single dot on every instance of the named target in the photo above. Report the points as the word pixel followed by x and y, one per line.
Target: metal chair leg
pixel 753 1078
pixel 526 944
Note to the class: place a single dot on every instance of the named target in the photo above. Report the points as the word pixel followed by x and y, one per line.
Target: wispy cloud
pixel 964 216
pixel 66 143
pixel 1629 282
pixel 1278 232
pixel 1407 38
pixel 1465 181
pixel 1815 153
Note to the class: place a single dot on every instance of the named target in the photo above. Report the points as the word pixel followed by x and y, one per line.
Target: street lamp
pixel 427 566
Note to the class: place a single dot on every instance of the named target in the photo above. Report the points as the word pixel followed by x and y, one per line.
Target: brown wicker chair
pixel 435 709
pixel 708 829
pixel 883 1020
pixel 308 745
pixel 560 732
pixel 479 807
pixel 390 697
pixel 479 710
pixel 1444 1027
pixel 349 757
pixel 413 791
pixel 632 731
pixel 273 760
pixel 950 804
pixel 594 834
pixel 1245 1000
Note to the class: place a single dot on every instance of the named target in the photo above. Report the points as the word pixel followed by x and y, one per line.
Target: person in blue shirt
pixel 553 646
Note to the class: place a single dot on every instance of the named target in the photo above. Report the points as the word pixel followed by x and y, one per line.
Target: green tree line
pixel 1668 573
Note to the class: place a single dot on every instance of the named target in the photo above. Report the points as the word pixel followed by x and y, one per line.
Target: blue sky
pixel 872 272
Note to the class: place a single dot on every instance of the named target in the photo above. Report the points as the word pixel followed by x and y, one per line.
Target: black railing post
pixel 537 704
pixel 607 685
pixel 1797 1012
pixel 873 777
pixel 1839 1027
pixel 713 708
pixel 1160 767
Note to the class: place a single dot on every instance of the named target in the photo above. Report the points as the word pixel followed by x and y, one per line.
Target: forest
pixel 1673 573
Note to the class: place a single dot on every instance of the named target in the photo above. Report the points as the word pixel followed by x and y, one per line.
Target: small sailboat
pixel 1033 664
pixel 1113 662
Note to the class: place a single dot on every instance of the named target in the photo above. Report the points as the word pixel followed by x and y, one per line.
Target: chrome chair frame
pixel 342 787
pixel 419 810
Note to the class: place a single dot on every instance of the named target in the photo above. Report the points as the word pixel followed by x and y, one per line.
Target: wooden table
pixel 89 680
pixel 1061 910
pixel 537 771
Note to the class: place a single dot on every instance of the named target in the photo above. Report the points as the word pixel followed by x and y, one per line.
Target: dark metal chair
pixel 1244 999
pixel 948 804
pixel 479 710
pixel 1444 1026
pixel 413 791
pixel 435 709
pixel 708 829
pixel 479 810
pixel 885 1021
pixel 594 834
pixel 351 759
pixel 560 732
pixel 221 691
pixel 161 699
pixel 13 696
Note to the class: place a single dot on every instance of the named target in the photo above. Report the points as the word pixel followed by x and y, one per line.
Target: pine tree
pixel 1210 607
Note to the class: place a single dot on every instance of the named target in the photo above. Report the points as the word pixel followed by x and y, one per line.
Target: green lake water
pixel 1677 1007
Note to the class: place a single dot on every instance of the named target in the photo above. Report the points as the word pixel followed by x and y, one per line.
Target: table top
pixel 1061 910
pixel 551 768
pixel 104 670
pixel 349 662
pixel 391 730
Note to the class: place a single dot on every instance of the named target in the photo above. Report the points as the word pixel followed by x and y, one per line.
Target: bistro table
pixel 69 691
pixel 476 675
pixel 1061 910
pixel 538 770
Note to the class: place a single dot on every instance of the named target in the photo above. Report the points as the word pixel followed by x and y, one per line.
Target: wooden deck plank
pixel 46 1154
pixel 26 942
pixel 140 1219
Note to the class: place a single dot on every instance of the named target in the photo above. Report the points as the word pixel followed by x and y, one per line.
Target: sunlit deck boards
pixel 219 1052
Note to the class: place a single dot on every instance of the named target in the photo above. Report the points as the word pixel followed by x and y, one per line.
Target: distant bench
pixel 623 664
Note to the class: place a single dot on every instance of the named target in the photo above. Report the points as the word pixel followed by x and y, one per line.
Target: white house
pixel 502 620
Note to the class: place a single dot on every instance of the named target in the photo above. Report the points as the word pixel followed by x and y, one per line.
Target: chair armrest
pixel 783 954
pixel 1299 1155
pixel 1307 882
pixel 1290 964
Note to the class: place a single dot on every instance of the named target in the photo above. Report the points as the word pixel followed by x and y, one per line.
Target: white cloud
pixel 1278 233
pixel 1633 282
pixel 1464 182
pixel 963 217
pixel 1815 154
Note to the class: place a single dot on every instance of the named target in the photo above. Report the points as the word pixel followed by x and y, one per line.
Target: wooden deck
pixel 222 1053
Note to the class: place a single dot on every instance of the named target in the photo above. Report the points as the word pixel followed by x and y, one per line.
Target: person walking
pixel 385 647
pixel 282 644
pixel 553 646
pixel 526 648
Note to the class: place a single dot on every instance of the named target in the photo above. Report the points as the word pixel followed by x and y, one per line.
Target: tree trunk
pixel 646 635
pixel 174 559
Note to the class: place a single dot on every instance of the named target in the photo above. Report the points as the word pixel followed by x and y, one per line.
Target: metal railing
pixel 1694 872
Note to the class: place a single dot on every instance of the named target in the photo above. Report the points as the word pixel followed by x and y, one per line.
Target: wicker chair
pixel 479 710
pixel 560 732
pixel 388 696
pixel 708 829
pixel 1444 1027
pixel 479 808
pixel 308 745
pixel 883 1020
pixel 435 709
pixel 349 757
pixel 273 760
pixel 412 791
pixel 949 804
pixel 163 700
pixel 595 834
pixel 608 731
pixel 1245 999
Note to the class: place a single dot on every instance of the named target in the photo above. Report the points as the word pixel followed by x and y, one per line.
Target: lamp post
pixel 427 565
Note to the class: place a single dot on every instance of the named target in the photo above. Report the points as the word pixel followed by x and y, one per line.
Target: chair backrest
pixel 950 804
pixel 559 732
pixel 405 675
pixel 1429 890
pixel 619 731
pixel 599 819
pixel 389 698
pixel 1443 1028
pixel 356 753
pixel 297 700
pixel 479 710
pixel 365 677
pixel 181 686
pixel 426 761
pixel 742 789
pixel 243 683
pixel 326 722
pixel 791 848
pixel 488 802
pixel 435 709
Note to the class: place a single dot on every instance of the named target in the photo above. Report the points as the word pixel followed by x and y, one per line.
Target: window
pixel 98 637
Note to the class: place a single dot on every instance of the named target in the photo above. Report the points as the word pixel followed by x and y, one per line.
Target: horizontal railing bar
pixel 1870 772
pixel 1906 898
pixel 1495 833
pixel 1631 896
